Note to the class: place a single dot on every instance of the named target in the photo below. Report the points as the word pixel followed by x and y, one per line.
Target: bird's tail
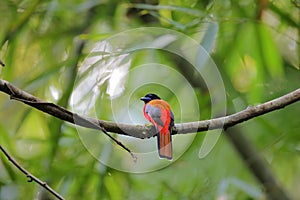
pixel 164 141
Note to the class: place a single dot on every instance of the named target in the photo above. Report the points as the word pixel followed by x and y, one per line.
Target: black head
pixel 149 97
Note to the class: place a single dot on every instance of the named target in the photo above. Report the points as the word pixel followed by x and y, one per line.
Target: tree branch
pixel 142 131
pixel 29 175
pixel 256 164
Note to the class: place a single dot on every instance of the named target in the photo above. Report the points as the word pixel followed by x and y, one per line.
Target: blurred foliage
pixel 255 45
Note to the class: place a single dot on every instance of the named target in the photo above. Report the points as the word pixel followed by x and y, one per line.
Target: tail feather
pixel 164 140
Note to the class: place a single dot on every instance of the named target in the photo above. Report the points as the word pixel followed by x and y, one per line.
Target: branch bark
pixel 29 175
pixel 142 131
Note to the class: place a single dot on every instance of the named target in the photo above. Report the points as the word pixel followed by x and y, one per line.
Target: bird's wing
pixel 154 113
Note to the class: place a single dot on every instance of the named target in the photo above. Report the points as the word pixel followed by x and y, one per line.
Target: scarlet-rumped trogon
pixel 159 113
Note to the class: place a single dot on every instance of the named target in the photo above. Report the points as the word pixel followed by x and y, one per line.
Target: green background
pixel 255 45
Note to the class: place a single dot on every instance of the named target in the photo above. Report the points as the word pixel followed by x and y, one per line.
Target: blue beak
pixel 145 99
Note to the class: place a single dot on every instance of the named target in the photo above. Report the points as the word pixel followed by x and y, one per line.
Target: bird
pixel 159 113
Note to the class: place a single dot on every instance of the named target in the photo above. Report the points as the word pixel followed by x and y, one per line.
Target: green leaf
pixel 210 36
pixel 270 52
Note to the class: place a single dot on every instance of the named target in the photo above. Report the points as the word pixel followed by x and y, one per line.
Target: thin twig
pixel 29 175
pixel 99 126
